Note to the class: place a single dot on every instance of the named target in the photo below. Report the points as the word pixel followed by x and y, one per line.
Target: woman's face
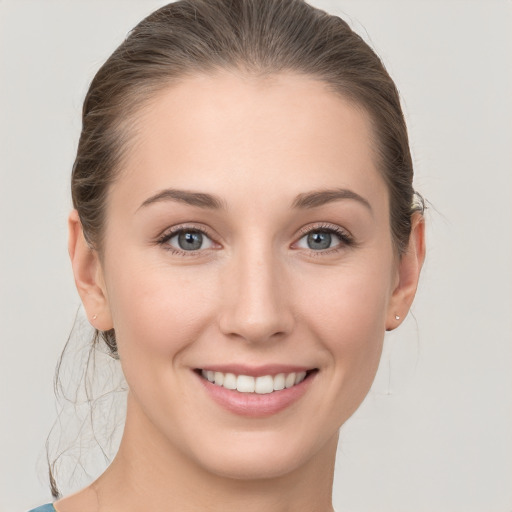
pixel 248 236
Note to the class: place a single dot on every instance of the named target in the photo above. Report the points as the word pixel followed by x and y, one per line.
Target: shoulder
pixel 44 508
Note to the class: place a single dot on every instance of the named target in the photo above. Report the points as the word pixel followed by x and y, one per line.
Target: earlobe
pixel 88 275
pixel 409 269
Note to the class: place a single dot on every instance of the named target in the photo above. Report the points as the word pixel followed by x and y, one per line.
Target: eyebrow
pixel 199 199
pixel 209 201
pixel 321 197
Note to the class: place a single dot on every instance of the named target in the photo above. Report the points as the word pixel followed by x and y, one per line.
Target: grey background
pixel 434 434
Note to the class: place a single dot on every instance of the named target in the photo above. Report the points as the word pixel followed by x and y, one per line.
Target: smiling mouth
pixel 265 384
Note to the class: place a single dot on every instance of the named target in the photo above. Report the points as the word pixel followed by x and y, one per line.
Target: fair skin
pixel 269 281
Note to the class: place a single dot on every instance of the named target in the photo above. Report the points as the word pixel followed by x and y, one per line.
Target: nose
pixel 256 301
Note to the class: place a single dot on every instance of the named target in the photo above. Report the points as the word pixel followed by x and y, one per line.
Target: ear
pixel 409 268
pixel 88 275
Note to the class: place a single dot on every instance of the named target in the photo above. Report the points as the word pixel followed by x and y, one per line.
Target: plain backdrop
pixel 435 432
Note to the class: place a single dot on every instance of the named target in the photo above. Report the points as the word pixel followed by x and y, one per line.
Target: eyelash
pixel 346 240
pixel 162 240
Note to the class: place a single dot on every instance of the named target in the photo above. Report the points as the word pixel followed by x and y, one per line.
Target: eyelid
pixel 327 226
pixel 171 232
pixel 345 237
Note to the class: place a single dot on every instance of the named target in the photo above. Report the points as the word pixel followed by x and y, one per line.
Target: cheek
pixel 347 310
pixel 349 302
pixel 158 311
pixel 350 322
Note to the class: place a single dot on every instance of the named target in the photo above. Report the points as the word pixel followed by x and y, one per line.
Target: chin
pixel 253 468
pixel 261 457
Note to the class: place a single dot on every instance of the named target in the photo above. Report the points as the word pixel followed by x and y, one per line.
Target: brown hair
pixel 255 36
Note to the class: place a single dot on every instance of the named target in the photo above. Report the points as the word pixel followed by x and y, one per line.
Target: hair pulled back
pixel 255 36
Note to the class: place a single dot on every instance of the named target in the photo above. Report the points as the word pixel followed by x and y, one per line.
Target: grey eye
pixel 190 240
pixel 318 240
pixel 321 239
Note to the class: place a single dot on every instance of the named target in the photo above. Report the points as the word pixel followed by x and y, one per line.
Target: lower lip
pixel 253 404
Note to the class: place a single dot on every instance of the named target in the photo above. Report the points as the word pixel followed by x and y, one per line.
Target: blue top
pixel 48 508
pixel 44 508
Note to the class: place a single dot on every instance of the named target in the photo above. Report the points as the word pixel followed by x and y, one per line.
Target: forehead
pixel 263 137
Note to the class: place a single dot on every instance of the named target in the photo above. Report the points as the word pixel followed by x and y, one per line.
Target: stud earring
pixel 397 317
pixel 94 317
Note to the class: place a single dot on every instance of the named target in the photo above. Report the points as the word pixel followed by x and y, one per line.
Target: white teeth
pixel 298 378
pixel 279 380
pixel 248 384
pixel 290 380
pixel 264 384
pixel 245 384
pixel 229 381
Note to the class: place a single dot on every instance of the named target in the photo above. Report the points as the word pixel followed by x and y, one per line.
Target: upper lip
pixel 256 371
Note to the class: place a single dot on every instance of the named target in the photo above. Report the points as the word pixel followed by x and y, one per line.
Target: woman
pixel 245 231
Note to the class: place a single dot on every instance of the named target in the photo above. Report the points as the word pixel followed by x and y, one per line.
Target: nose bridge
pixel 255 306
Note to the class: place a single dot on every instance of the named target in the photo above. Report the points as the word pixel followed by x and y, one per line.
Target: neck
pixel 149 473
